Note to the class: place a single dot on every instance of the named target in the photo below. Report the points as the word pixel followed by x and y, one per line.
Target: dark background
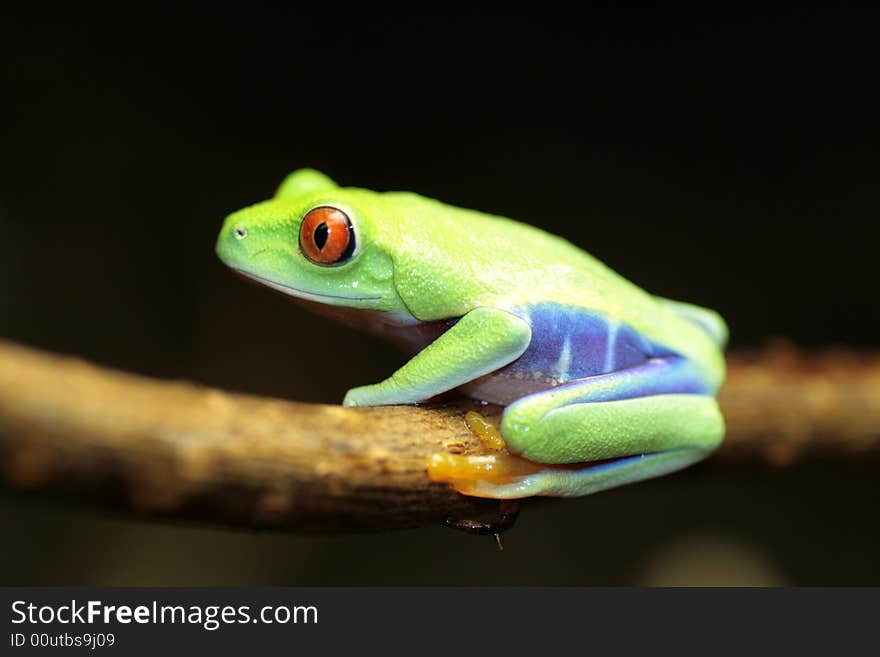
pixel 729 160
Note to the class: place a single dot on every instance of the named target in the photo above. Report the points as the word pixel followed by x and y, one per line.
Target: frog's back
pixel 484 259
pixel 498 254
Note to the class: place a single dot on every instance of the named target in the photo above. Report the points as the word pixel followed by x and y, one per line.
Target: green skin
pixel 418 260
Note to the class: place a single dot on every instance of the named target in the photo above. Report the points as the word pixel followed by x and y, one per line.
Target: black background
pixel 725 159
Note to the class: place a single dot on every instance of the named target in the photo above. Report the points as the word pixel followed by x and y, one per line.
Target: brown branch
pixel 783 404
pixel 188 452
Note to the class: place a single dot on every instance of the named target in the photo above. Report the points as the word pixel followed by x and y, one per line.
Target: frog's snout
pixel 232 240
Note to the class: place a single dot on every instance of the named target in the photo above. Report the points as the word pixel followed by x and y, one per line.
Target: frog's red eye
pixel 326 236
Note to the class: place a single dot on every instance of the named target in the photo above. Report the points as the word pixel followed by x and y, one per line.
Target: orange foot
pixel 498 466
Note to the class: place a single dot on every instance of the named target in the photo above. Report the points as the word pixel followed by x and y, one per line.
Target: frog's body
pixel 591 367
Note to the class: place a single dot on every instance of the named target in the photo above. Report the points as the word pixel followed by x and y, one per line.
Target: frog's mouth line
pixel 295 291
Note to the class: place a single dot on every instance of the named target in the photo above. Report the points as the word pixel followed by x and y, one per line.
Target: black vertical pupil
pixel 321 234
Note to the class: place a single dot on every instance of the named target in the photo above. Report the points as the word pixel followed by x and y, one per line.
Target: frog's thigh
pixel 660 404
pixel 664 433
pixel 660 413
pixel 593 431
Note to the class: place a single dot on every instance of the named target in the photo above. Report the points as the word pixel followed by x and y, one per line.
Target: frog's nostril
pixel 240 233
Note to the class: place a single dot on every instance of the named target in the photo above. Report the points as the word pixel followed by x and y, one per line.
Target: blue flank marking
pixel 598 344
pixel 613 327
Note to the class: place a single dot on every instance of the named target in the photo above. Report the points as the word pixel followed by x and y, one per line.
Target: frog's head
pixel 313 241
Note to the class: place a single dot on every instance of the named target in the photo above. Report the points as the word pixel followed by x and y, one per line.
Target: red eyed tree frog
pixel 603 383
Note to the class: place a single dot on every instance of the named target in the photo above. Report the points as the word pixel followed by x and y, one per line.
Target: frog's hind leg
pixel 492 464
pixel 621 441
pixel 603 431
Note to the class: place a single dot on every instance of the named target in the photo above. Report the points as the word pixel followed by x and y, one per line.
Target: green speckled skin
pixel 418 260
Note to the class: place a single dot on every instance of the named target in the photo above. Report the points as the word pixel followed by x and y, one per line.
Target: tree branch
pixel 189 452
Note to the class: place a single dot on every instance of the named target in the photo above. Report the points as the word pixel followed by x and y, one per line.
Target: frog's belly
pixel 567 343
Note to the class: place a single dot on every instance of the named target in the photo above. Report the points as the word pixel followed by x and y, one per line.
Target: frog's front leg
pixel 596 433
pixel 482 341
